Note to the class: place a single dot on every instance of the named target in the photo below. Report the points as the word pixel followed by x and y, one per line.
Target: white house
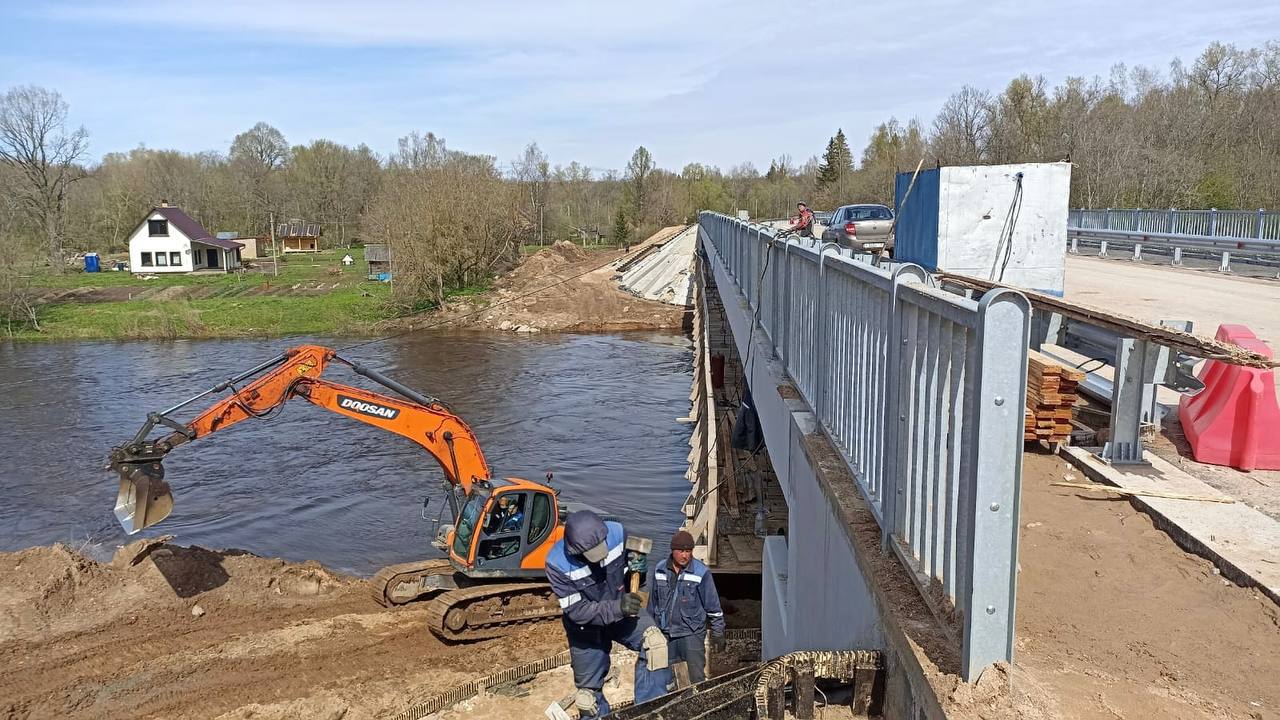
pixel 169 241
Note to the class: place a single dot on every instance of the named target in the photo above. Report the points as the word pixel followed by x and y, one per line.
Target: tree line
pixel 1203 135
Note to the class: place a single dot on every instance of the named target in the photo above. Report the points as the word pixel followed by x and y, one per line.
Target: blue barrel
pixel 91 263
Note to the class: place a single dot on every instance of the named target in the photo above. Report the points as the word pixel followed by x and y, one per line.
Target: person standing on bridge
pixel 684 602
pixel 804 221
pixel 588 570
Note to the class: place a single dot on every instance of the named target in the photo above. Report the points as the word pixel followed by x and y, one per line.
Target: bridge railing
pixel 1243 224
pixel 923 392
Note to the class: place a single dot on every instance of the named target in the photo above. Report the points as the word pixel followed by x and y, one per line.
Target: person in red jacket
pixel 804 222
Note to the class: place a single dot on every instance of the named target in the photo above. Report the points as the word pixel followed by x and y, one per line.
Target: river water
pixel 597 410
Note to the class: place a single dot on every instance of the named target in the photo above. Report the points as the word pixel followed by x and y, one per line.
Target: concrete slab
pixel 1243 543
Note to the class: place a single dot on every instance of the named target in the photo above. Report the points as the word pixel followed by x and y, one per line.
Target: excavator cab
pixel 505 528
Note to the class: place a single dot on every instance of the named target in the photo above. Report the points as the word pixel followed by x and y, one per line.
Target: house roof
pixel 192 229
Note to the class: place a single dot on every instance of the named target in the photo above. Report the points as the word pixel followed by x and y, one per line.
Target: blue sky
pixel 715 81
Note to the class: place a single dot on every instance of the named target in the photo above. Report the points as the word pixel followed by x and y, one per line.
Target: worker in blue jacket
pixel 588 572
pixel 684 603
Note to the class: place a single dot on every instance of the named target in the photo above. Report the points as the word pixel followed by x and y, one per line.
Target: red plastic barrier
pixel 1235 420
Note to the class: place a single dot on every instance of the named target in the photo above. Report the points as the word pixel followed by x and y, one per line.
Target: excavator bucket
pixel 144 497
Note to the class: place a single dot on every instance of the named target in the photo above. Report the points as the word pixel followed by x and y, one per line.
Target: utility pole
pixel 274 255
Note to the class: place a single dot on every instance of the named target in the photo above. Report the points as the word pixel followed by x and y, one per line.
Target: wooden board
pixel 1188 343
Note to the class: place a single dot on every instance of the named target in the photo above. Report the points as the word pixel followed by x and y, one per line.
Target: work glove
pixel 638 564
pixel 718 643
pixel 630 604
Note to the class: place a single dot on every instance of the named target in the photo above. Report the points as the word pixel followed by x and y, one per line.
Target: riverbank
pixel 558 288
pixel 181 632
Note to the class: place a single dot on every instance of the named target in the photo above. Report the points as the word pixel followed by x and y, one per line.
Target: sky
pixel 708 81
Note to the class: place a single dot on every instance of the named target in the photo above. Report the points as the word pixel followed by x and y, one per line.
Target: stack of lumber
pixel 1051 395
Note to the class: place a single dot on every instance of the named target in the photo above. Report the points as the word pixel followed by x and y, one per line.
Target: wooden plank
pixel 730 466
pixel 1188 343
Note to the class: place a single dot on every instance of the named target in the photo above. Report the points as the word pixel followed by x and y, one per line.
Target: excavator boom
pixel 145 499
pixel 492 580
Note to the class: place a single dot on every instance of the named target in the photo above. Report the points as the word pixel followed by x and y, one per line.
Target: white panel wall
pixel 141 242
pixel 974 202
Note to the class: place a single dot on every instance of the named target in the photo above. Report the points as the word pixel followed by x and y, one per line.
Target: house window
pixel 157 227
pixel 146 259
pixel 175 259
pixel 162 260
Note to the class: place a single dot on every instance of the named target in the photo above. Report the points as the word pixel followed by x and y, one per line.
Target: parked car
pixel 865 228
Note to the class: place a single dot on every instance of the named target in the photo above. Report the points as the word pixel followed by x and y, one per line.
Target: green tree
pixel 639 170
pixel 837 161
pixel 621 231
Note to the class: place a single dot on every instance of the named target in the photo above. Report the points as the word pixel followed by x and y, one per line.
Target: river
pixel 599 411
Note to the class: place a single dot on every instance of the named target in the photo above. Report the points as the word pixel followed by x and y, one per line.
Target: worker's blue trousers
pixel 589 647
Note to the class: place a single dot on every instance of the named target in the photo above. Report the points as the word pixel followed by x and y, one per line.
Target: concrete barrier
pixel 1235 420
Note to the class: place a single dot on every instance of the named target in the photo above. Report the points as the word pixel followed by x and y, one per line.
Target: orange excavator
pixel 502 529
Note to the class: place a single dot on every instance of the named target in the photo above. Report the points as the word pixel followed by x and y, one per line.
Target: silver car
pixel 865 228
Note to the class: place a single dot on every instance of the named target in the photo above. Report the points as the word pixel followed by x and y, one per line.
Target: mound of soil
pixel 184 632
pixel 562 288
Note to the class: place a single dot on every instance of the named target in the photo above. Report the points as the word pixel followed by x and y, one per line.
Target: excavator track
pixel 490 610
pixel 399 584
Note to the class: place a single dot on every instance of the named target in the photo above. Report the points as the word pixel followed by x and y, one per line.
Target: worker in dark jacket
pixel 588 571
pixel 684 603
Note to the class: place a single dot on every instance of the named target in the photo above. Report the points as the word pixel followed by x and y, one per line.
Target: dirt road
pixel 189 633
pixel 1155 293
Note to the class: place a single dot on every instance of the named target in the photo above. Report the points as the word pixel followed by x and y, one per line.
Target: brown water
pixel 597 410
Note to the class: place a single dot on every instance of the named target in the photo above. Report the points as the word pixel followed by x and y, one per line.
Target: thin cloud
pixel 717 82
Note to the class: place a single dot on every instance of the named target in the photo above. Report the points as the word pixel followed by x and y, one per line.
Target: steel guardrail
pixel 923 392
pixel 1257 224
pixel 1262 250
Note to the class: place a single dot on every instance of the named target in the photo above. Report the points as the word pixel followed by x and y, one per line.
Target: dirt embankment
pixel 1115 621
pixel 174 632
pixel 561 288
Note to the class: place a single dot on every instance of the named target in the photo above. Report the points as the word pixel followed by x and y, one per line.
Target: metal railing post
pixel 1213 222
pixel 995 461
pixel 1172 213
pixel 820 365
pixel 1106 219
pixel 895 415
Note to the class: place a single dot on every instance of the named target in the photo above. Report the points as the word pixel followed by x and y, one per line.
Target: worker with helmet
pixel 804 221
pixel 684 603
pixel 588 571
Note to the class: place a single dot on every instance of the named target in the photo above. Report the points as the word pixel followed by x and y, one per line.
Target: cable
pixel 1007 229
pixel 1101 362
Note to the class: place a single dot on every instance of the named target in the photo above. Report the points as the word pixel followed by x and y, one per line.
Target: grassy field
pixel 313 295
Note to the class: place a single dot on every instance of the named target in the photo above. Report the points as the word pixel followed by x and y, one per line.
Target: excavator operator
pixel 587 570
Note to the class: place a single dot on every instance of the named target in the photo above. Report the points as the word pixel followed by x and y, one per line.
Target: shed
pixel 250 243
pixel 378 255
pixel 298 236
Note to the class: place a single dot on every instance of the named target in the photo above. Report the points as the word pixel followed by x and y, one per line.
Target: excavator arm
pixel 145 498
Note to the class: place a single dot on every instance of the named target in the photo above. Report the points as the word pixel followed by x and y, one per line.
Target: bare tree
pixel 34 139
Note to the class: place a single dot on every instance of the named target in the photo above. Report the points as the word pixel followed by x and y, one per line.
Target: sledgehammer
pixel 638 546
